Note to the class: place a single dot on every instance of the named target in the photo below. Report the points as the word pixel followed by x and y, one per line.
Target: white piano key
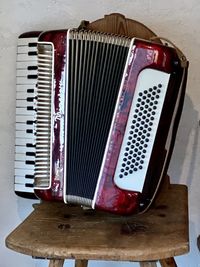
pixel 23 88
pixel 26 72
pixel 23 103
pixel 24 134
pixel 23 141
pixel 25 80
pixel 24 111
pixel 23 165
pixel 29 129
pixel 28 109
pixel 22 49
pixel 22 152
pixel 24 149
pixel 24 126
pixel 24 118
pixel 26 64
pixel 28 136
pixel 23 180
pixel 26 41
pixel 24 172
pixel 23 157
pixel 22 188
pixel 25 57
pixel 24 95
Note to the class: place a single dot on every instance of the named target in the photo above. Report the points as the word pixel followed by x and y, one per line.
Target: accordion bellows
pixel 105 114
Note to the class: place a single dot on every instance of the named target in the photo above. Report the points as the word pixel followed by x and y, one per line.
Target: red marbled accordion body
pixel 144 55
pixel 108 196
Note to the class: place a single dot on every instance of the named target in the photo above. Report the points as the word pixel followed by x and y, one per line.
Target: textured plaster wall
pixel 177 20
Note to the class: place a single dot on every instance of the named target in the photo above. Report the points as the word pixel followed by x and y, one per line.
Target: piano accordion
pixel 96 117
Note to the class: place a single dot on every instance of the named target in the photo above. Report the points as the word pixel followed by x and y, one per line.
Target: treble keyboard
pixel 26 83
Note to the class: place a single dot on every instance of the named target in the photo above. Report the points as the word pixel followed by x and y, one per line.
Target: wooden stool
pixel 56 231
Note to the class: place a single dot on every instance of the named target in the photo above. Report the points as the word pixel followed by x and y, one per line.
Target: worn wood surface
pixel 170 262
pixel 81 263
pixel 56 263
pixel 55 230
pixel 148 264
pixel 118 24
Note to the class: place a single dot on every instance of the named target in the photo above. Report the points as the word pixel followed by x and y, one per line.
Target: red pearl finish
pixel 109 197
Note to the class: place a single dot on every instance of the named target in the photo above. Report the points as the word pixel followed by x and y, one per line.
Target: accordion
pixel 96 117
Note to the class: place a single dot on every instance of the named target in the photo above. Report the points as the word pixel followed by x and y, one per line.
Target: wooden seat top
pixel 56 230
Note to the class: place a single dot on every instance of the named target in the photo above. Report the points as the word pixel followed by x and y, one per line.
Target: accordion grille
pixel 43 125
pixel 95 70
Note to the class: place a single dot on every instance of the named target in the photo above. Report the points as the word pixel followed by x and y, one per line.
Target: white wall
pixel 177 20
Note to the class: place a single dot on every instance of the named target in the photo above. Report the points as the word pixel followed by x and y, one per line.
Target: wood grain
pixel 170 262
pixel 55 230
pixel 81 263
pixel 56 263
pixel 117 24
pixel 148 264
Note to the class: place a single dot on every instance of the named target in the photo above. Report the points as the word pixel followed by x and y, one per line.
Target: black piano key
pixel 30 99
pixel 30 90
pixel 32 76
pixel 30 122
pixel 28 176
pixel 30 145
pixel 32 44
pixel 29 131
pixel 30 162
pixel 32 68
pixel 30 108
pixel 30 154
pixel 29 185
pixel 32 53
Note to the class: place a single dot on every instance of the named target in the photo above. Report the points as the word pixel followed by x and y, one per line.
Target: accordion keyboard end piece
pixel 44 117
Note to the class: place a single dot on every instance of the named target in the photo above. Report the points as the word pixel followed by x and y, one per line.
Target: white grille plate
pixel 141 129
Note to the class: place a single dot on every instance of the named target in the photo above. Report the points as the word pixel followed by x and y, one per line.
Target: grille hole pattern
pixel 140 130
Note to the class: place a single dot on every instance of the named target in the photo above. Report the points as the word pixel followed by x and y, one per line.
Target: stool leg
pixel 170 262
pixel 81 263
pixel 56 263
pixel 148 264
